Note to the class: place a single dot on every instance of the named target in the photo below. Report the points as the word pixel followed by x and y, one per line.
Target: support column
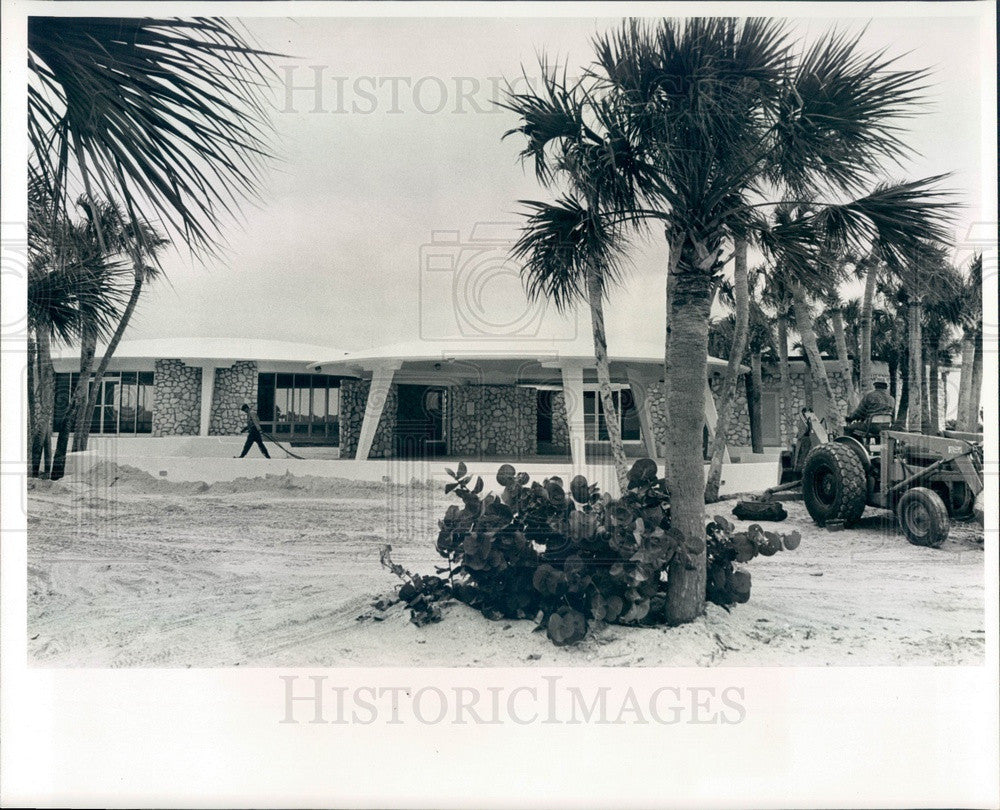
pixel 712 419
pixel 207 387
pixel 572 380
pixel 639 386
pixel 377 393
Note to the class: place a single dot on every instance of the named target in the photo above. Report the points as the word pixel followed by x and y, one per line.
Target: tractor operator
pixel 875 403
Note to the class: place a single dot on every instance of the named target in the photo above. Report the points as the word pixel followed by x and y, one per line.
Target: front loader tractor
pixel 925 480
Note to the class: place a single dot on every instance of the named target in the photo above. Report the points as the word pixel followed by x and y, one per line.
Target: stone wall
pixel 771 381
pixel 492 420
pixel 233 386
pixel 353 398
pixel 738 432
pixel 178 399
pixel 560 423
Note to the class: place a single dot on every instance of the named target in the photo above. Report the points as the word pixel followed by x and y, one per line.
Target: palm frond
pixel 560 244
pixel 162 115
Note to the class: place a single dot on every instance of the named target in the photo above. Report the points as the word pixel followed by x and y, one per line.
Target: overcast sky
pixel 408 143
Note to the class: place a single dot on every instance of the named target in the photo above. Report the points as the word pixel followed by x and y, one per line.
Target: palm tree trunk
pixel 846 369
pixel 756 380
pixel 925 402
pixel 34 447
pixel 934 384
pixel 741 293
pixel 595 295
pixel 673 259
pixel 803 322
pixel 976 400
pixel 963 417
pixel 687 361
pixel 785 369
pixel 102 368
pixel 82 419
pixel 45 403
pixel 915 366
pixel 904 390
pixel 867 305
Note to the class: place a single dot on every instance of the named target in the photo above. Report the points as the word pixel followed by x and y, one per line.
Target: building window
pixel 300 405
pixel 124 402
pixel 594 421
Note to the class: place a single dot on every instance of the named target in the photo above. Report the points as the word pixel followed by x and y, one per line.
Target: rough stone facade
pixel 178 399
pixel 738 431
pixel 772 382
pixel 233 386
pixel 560 423
pixel 353 398
pixel 493 420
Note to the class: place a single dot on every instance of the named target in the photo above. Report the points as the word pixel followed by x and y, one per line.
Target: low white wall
pixel 751 477
pixel 192 447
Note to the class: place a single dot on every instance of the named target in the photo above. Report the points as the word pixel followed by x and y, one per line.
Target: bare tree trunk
pixel 934 384
pixel 867 305
pixel 595 295
pixel 756 380
pixel 116 338
pixel 93 389
pixel 31 436
pixel 45 401
pixel 846 369
pixel 741 293
pixel 88 350
pixel 687 361
pixel 803 322
pixel 785 369
pixel 904 390
pixel 963 417
pixel 915 366
pixel 673 259
pixel 976 400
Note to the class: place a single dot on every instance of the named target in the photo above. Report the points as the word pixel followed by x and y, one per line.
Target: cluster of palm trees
pixel 721 132
pixel 139 121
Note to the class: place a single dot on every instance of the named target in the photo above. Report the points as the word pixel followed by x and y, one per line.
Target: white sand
pixel 277 572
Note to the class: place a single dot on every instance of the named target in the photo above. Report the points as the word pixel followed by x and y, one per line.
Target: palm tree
pixel 969 393
pixel 567 257
pixel 941 316
pixel 734 117
pixel 162 116
pixel 70 283
pixel 870 268
pixel 107 227
pixel 572 248
pixel 921 272
pixel 741 300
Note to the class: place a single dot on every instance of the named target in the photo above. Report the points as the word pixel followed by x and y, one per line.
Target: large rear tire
pixel 834 484
pixel 923 517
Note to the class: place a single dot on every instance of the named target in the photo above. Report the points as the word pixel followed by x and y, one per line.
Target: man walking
pixel 253 431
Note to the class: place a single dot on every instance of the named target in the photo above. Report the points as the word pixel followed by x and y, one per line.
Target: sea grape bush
pixel 572 556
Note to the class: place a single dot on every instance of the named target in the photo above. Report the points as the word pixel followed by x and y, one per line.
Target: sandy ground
pixel 126 570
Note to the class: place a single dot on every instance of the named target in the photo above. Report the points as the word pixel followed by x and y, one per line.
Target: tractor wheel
pixel 923 517
pixel 834 484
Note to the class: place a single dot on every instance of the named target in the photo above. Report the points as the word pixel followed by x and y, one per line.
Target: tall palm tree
pixel 741 301
pixel 568 257
pixel 572 248
pixel 162 116
pixel 920 272
pixel 941 316
pixel 869 268
pixel 972 320
pixel 734 116
pixel 70 283
pixel 110 231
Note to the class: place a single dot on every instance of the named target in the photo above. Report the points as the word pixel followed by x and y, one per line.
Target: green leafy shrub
pixel 568 556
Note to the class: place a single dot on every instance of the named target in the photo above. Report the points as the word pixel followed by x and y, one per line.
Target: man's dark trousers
pixel 254 436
